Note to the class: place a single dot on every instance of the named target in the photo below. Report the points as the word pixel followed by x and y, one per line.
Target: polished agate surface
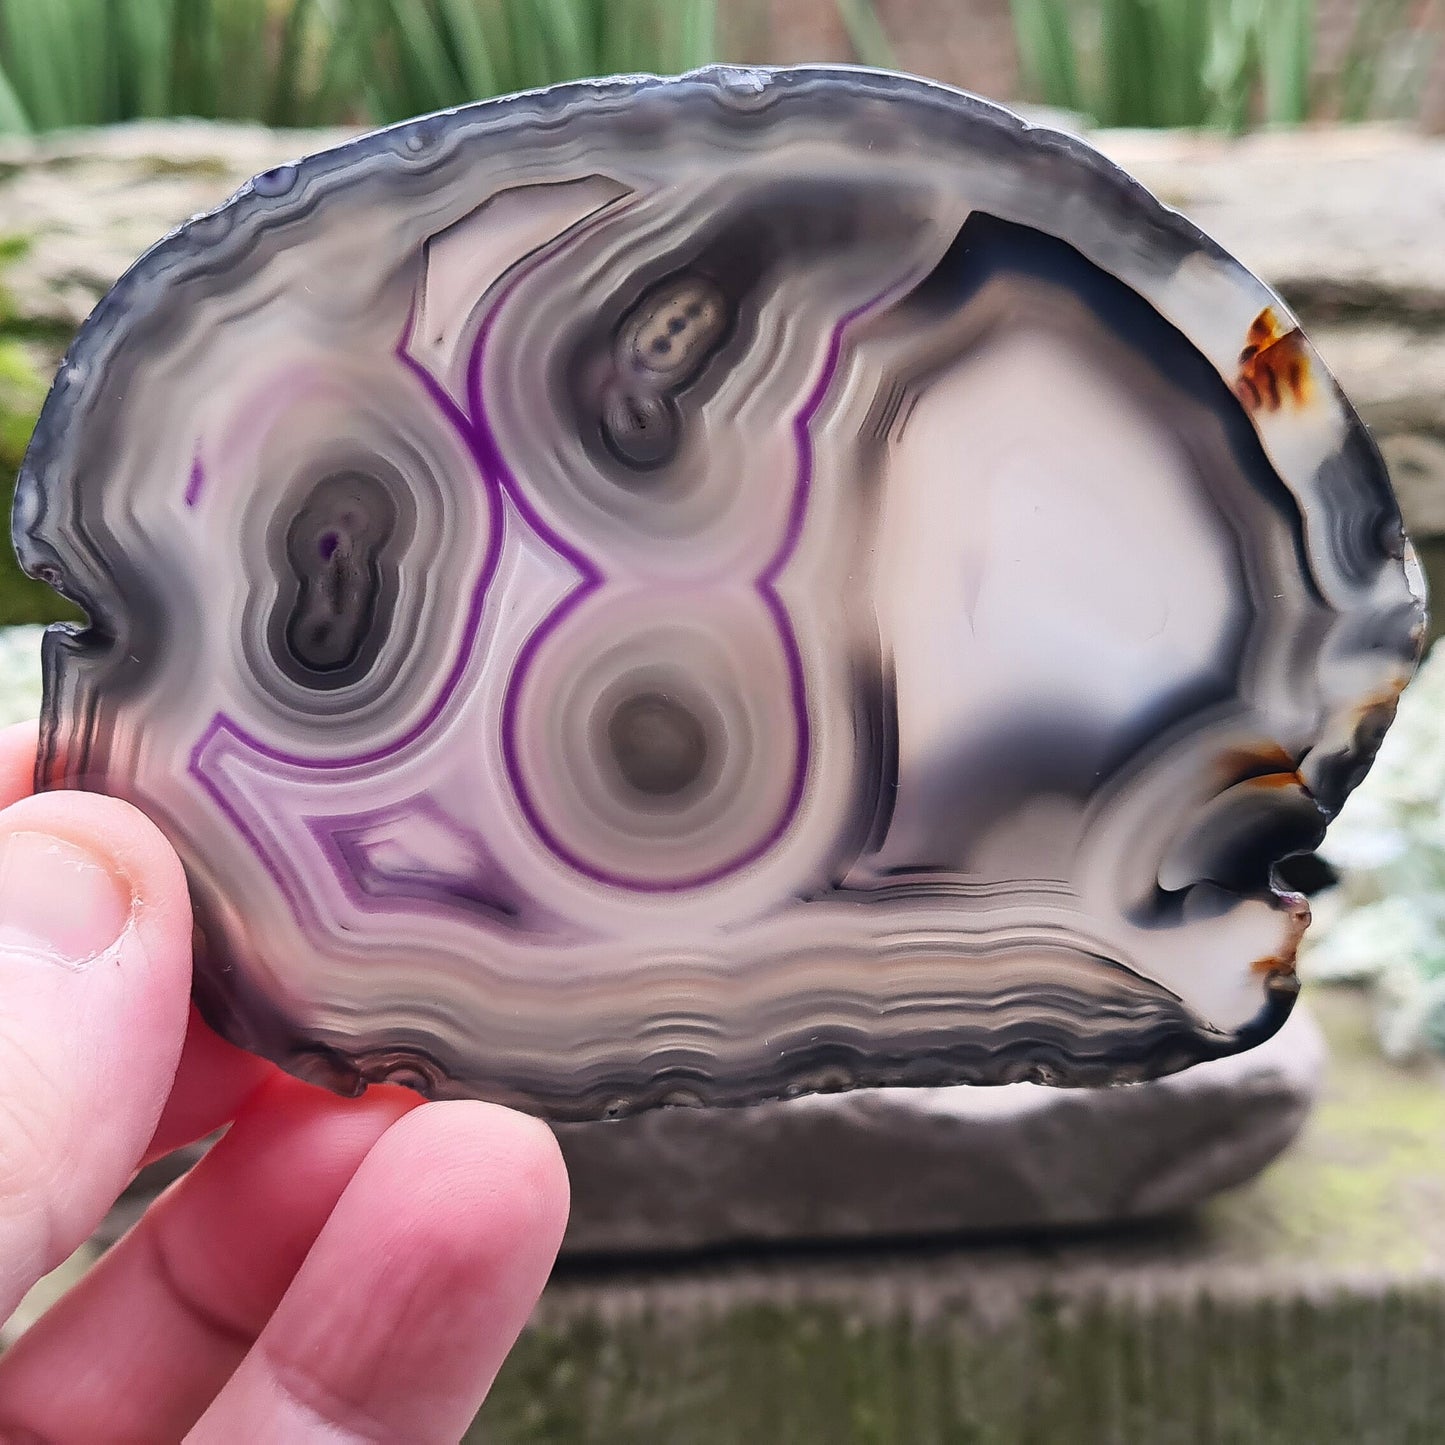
pixel 699 590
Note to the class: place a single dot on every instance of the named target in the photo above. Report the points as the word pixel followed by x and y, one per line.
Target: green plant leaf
pixel 13 119
pixel 1049 52
pixel 1286 46
pixel 1127 62
pixel 866 34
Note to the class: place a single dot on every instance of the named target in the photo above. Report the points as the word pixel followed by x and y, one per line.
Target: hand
pixel 331 1269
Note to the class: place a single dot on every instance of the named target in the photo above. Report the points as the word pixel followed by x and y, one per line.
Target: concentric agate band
pixel 691 591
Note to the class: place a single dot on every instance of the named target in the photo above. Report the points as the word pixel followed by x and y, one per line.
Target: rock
pixel 906 1163
pixel 88 202
pixel 913 1163
pixel 1417 466
pixel 1343 221
pixel 1306 1306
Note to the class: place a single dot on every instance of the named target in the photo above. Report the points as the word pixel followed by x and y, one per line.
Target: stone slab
pixel 909 1163
pixel 1345 222
pixel 1305 1306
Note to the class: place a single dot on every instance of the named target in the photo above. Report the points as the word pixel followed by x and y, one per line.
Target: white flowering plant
pixel 1383 925
pixel 20 687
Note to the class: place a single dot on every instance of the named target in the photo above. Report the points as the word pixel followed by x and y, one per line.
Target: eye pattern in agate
pixel 699 590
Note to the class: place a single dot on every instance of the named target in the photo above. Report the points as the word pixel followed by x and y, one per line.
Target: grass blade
pixel 13 119
pixel 1286 45
pixel 1048 52
pixel 473 47
pixel 1125 62
pixel 866 34
pixel 432 79
pixel 697 35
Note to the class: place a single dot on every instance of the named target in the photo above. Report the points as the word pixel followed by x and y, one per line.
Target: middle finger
pixel 137 1350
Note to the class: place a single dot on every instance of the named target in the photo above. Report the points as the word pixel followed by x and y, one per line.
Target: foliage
pixel 1385 924
pixel 305 62
pixel 866 33
pixel 1224 63
pixel 22 389
pixel 434 53
pixel 1388 59
pixel 21 392
pixel 88 62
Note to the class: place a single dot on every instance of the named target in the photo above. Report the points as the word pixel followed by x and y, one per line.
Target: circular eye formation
pixel 671 333
pixel 658 745
pixel 641 428
pixel 334 606
pixel 661 346
pixel 655 755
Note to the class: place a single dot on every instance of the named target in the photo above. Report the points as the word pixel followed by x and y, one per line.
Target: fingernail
pixel 59 901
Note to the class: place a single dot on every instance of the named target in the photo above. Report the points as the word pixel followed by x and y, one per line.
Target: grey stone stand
pixel 908 1163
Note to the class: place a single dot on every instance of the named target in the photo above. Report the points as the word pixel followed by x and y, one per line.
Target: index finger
pixel 213 1082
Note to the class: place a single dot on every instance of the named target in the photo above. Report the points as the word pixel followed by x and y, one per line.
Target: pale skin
pixel 337 1270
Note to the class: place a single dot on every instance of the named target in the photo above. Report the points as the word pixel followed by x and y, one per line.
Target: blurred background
pixel 1251 1252
pixel 1228 63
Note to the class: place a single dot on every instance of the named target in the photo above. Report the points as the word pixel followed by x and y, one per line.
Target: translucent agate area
pixel 698 590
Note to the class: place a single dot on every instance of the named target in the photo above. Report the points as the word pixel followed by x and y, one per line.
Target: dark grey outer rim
pixel 111 308
pixel 237 1011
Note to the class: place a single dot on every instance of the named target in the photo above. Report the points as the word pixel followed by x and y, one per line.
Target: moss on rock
pixel 1336 1370
pixel 22 390
pixel 1308 1305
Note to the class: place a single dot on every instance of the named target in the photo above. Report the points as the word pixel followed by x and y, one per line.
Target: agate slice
pixel 698 590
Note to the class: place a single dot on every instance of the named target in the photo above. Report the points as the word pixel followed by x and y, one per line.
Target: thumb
pixel 95 932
